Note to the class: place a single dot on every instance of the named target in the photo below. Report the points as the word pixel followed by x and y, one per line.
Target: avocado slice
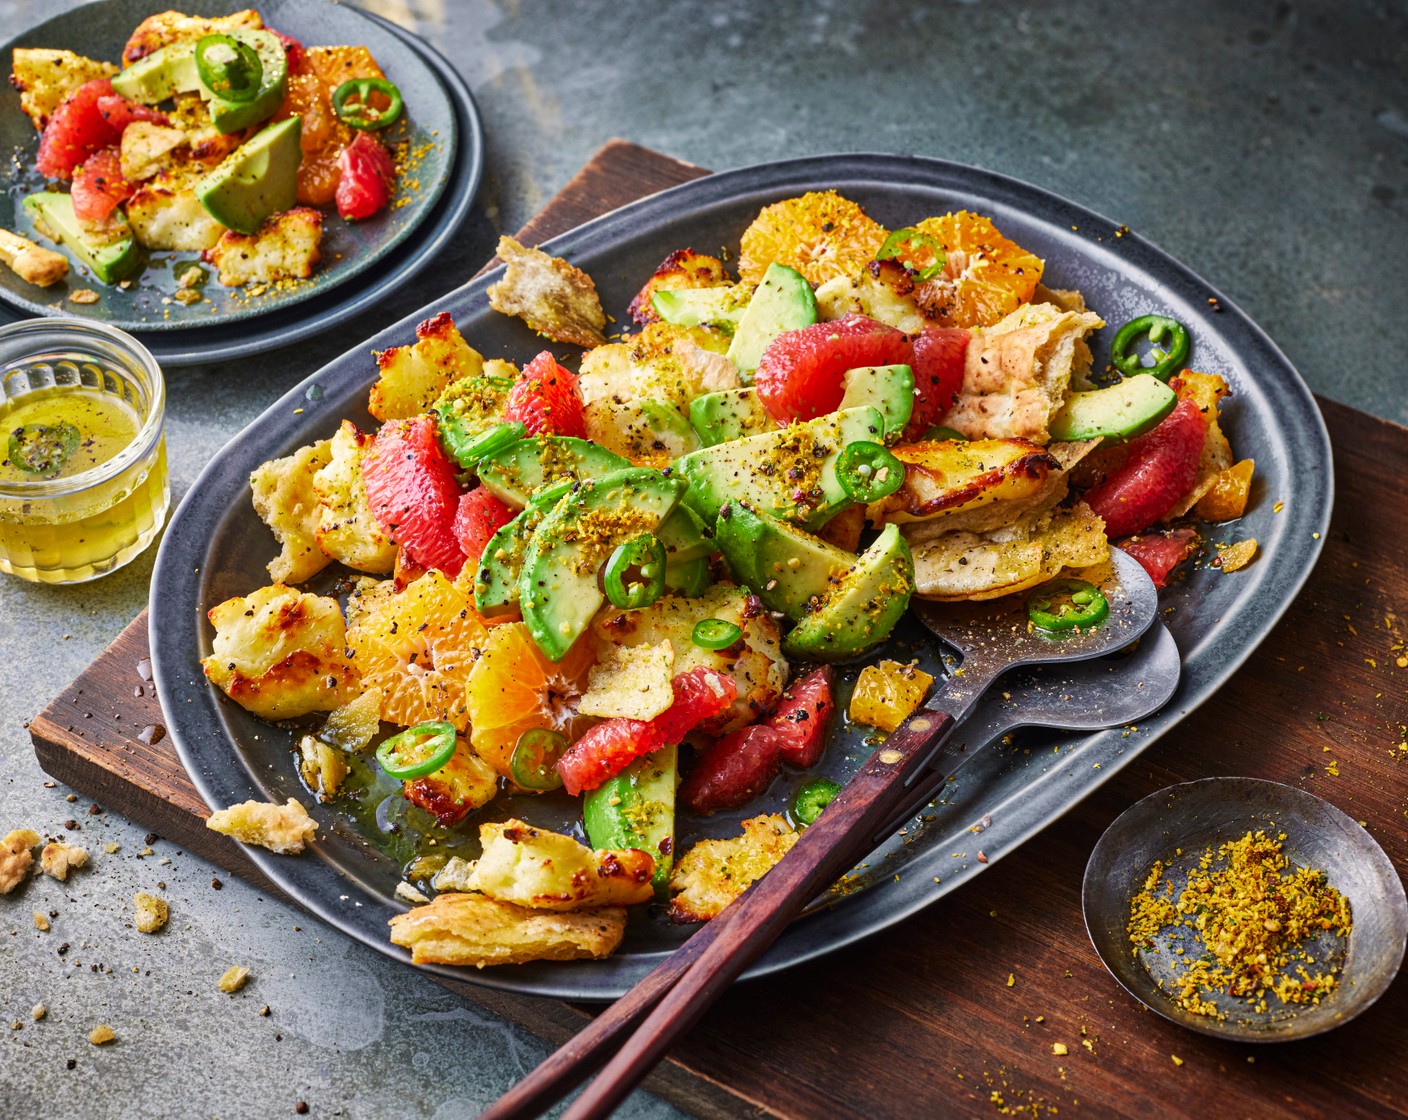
pixel 465 410
pixel 669 427
pixel 769 471
pixel 729 414
pixel 256 180
pixel 111 255
pixel 783 302
pixel 516 473
pixel 501 565
pixel 1126 409
pixel 862 608
pixel 789 570
pixel 702 307
pixel 558 591
pixel 688 579
pixel 172 70
pixel 160 75
pixel 887 388
pixel 685 536
pixel 636 809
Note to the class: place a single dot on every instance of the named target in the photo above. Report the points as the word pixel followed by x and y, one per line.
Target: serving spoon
pixel 888 789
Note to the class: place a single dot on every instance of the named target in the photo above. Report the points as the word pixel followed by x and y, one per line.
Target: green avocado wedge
pixel 789 473
pixel 111 258
pixel 729 414
pixel 1126 409
pixel 862 608
pixel 685 536
pixel 890 389
pixel 172 70
pixel 784 301
pixel 467 410
pixel 496 581
pixel 702 307
pixel 636 809
pixel 258 179
pixel 524 467
pixel 789 570
pixel 559 590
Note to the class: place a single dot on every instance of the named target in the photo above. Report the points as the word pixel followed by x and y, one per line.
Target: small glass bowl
pixel 69 530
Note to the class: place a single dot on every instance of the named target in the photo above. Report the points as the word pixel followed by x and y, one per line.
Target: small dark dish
pixel 1197 815
pixel 360 260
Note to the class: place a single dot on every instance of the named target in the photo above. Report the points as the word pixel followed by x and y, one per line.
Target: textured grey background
pixel 1265 144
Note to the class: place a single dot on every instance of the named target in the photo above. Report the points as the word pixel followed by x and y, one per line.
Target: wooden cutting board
pixel 957 1009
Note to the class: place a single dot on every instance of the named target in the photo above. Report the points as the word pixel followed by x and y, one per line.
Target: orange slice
pixel 986 278
pixel 417 647
pixel 821 234
pixel 513 688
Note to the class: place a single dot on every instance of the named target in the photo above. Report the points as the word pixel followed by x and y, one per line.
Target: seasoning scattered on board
pixel 1250 914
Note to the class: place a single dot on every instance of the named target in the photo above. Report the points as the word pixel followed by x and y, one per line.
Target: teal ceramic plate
pixel 99 30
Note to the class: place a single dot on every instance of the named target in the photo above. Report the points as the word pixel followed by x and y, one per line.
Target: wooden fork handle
pixel 825 851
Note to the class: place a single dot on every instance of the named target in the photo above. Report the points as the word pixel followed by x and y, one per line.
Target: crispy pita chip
pixel 551 296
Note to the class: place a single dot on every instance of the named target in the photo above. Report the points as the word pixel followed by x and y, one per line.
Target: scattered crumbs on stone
pixel 301 1107
pixel 112 847
pixel 83 295
pixel 38 1011
pixel 41 923
pixel 407 893
pixel 101 1034
pixel 152 913
pixel 71 797
pixel 264 1011
pixel 234 978
pixel 72 1063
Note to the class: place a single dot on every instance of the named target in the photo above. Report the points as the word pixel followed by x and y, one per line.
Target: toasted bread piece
pixel 472 929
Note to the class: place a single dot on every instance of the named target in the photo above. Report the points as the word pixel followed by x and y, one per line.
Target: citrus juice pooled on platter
pixel 83 486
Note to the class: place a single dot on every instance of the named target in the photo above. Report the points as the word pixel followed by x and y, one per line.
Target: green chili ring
pixel 41 448
pixel 417 751
pixel 812 798
pixel 490 442
pixel 715 633
pixel 533 764
pixel 362 114
pixel 1067 604
pixel 1127 360
pixel 868 472
pixel 910 239
pixel 229 68
pixel 646 555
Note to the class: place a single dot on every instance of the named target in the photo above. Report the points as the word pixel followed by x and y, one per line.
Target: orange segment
pixel 821 234
pixel 323 137
pixel 986 278
pixel 514 688
pixel 417 647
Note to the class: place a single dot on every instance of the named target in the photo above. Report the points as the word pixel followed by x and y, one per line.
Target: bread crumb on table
pixel 100 1034
pixel 58 859
pixel 234 978
pixel 16 854
pixel 38 1011
pixel 285 829
pixel 152 912
pixel 41 923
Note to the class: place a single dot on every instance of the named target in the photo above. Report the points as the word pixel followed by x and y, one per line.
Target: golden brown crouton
pixel 59 859
pixel 16 854
pixel 46 77
pixel 470 929
pixel 345 527
pixel 101 1034
pixel 323 767
pixel 151 913
pixel 281 653
pixel 549 871
pixel 715 872
pixel 630 683
pixel 233 978
pixel 413 377
pixel 285 247
pixel 285 501
pixel 553 297
pixel 682 269
pixel 285 829
pixel 146 149
pixel 164 28
pixel 32 263
pixel 459 787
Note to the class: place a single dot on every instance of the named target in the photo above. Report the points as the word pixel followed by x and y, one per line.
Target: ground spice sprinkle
pixel 1252 914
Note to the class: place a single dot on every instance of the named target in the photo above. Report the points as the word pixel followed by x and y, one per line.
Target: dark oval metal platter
pixel 361 260
pixel 215 547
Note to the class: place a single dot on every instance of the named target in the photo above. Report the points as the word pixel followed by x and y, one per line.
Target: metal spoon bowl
pixel 1195 816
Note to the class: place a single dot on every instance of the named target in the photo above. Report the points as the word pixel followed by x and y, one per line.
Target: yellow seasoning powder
pixel 1253 913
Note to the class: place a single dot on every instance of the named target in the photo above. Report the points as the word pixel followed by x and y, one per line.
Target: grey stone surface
pixel 1264 144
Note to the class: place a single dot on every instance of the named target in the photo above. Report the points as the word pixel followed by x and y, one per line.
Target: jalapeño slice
pixel 868 472
pixel 533 764
pixel 1067 604
pixel 634 576
pixel 417 751
pixel 352 102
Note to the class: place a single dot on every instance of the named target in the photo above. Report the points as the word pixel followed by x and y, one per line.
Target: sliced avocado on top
pixel 514 474
pixel 559 590
pixel 789 473
pixel 255 181
pixel 783 302
pixel 862 608
pixel 501 565
pixel 1126 409
pixel 729 414
pixel 112 254
pixel 160 75
pixel 466 410
pixel 636 809
pixel 703 307
pixel 685 536
pixel 887 388
pixel 789 570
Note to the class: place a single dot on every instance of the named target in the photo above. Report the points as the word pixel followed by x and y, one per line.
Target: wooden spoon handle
pixel 823 853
